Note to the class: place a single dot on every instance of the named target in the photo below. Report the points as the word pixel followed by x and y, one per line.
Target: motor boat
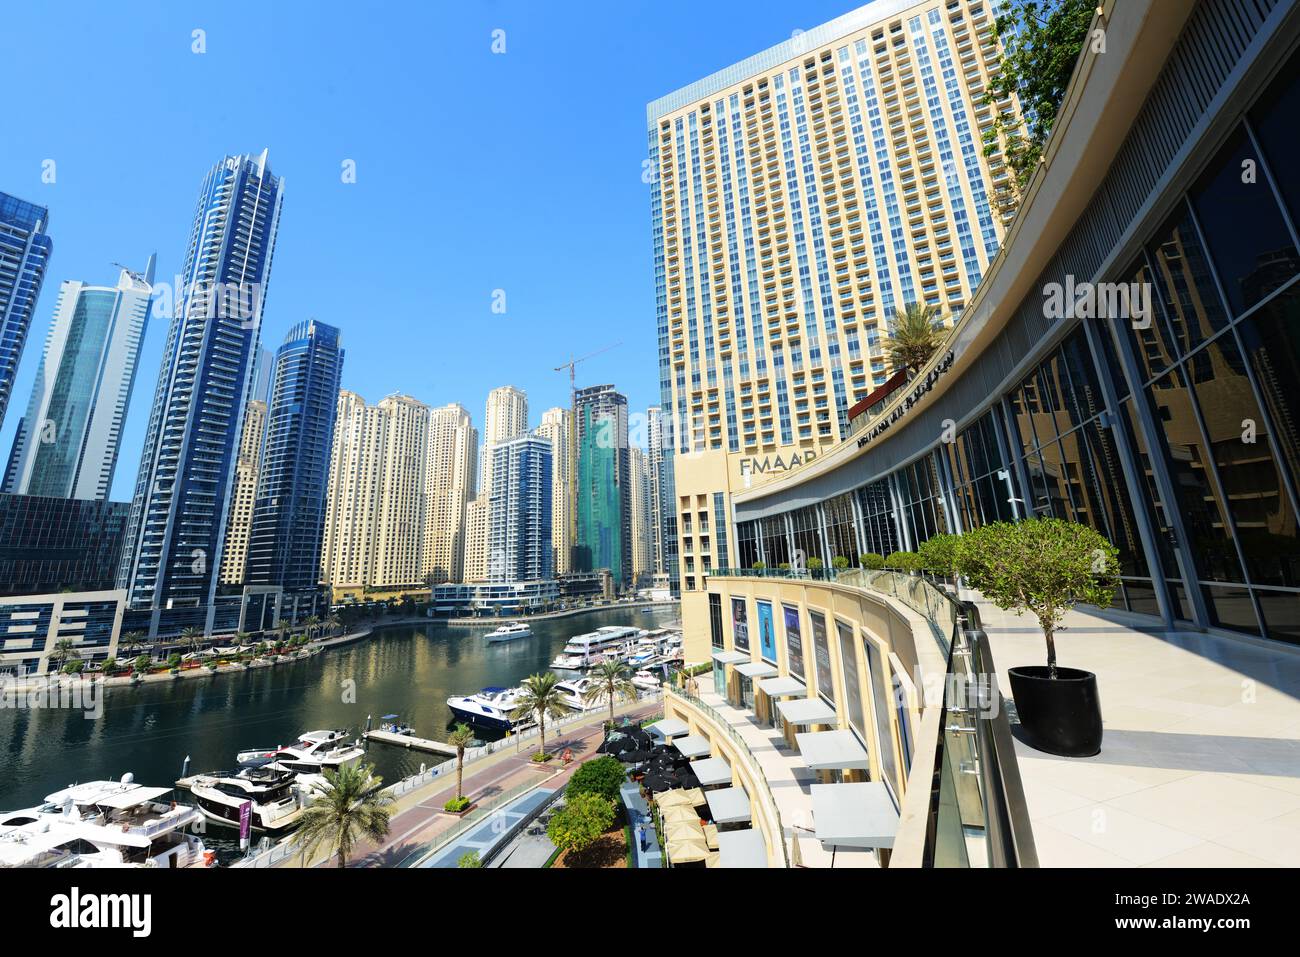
pixel 647 680
pixel 392 725
pixel 314 753
pixel 584 651
pixel 278 796
pixel 511 632
pixel 104 824
pixel 572 692
pixel 489 708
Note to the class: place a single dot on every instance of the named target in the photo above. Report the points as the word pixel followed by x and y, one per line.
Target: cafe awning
pixel 756 669
pixel 711 771
pixel 800 711
pixel 831 750
pixel 854 815
pixel 728 805
pixel 730 657
pixel 742 849
pixel 668 727
pixel 777 687
pixel 693 745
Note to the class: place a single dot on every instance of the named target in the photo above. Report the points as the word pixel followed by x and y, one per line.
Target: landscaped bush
pixel 142 664
pixel 456 805
pixel 759 566
pixel 815 564
pixel 174 661
pixel 839 562
pixel 581 822
pixel 871 561
pixel 939 553
pixel 903 561
pixel 603 776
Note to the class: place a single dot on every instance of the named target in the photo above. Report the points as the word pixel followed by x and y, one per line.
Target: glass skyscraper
pixel 67 443
pixel 604 501
pixel 25 250
pixel 178 516
pixel 284 544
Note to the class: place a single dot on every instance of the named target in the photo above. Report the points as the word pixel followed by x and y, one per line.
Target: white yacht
pixel 489 708
pixel 313 753
pixel 278 796
pixel 572 692
pixel 646 680
pixel 104 824
pixel 583 651
pixel 510 632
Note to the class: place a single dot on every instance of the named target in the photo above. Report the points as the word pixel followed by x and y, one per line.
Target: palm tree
pixel 63 650
pixel 311 624
pixel 348 807
pixel 916 336
pixel 334 623
pixel 282 626
pixel 610 682
pixel 131 642
pixel 191 636
pixel 541 697
pixel 460 739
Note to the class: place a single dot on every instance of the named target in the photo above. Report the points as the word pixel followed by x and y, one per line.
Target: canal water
pixel 410 670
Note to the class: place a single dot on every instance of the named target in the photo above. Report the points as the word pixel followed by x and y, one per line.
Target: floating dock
pixel 411 742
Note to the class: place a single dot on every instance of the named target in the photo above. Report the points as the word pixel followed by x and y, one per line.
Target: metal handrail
pixel 758 775
pixel 971 691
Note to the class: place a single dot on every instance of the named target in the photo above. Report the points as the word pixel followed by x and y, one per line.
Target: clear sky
pixel 475 171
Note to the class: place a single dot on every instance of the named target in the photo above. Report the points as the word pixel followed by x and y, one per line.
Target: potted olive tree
pixel 1046 566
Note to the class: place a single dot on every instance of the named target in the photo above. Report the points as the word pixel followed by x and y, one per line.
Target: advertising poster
pixel 766 632
pixel 793 641
pixel 740 624
pixel 822 653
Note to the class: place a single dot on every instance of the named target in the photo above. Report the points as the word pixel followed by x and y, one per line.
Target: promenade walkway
pixel 418 822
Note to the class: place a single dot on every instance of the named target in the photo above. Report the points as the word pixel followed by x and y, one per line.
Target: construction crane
pixel 571 365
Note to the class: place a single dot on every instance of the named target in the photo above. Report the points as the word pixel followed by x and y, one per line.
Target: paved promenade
pixel 418 820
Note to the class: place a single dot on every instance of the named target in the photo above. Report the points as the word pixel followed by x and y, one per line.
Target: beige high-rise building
pixel 804 196
pixel 448 482
pixel 555 426
pixel 477 513
pixel 375 509
pixel 505 417
pixel 643 550
pixel 234 554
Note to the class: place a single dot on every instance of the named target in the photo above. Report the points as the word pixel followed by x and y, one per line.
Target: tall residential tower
pixel 178 518
pixel 25 249
pixel 67 443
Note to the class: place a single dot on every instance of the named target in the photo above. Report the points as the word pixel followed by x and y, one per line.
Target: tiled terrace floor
pixel 1200 763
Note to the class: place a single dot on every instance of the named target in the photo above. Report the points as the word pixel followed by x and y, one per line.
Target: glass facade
pixel 50 545
pixel 1172 430
pixel 25 249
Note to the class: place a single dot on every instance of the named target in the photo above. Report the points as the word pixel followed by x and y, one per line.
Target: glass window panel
pixel 1281 611
pixel 1248 240
pixel 1274 119
pixel 1231 608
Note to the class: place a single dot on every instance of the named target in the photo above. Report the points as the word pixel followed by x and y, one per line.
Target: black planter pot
pixel 1060 715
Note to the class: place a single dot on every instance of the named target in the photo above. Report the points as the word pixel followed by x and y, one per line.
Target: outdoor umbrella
pixel 687 852
pixel 669 799
pixel 657 782
pixel 634 756
pixel 684 831
pixel 680 815
pixel 694 798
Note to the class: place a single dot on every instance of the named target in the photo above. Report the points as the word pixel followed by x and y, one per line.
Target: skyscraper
pixel 642 518
pixel 663 530
pixel 448 481
pixel 25 250
pixel 519 511
pixel 67 443
pixel 284 546
pixel 803 196
pixel 234 556
pixel 374 515
pixel 505 417
pixel 556 425
pixel 603 498
pixel 178 517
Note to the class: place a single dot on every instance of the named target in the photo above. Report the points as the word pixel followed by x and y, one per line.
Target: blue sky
pixel 475 171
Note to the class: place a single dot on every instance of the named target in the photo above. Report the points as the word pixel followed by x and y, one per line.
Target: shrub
pixel 581 822
pixel 141 664
pixel 938 554
pixel 174 661
pixel 902 561
pixel 1041 565
pixel 784 566
pixel 759 566
pixel 469 859
pixel 603 776
pixel 840 562
pixel 73 667
pixel 456 805
pixel 871 561
pixel 815 564
pixel 109 666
